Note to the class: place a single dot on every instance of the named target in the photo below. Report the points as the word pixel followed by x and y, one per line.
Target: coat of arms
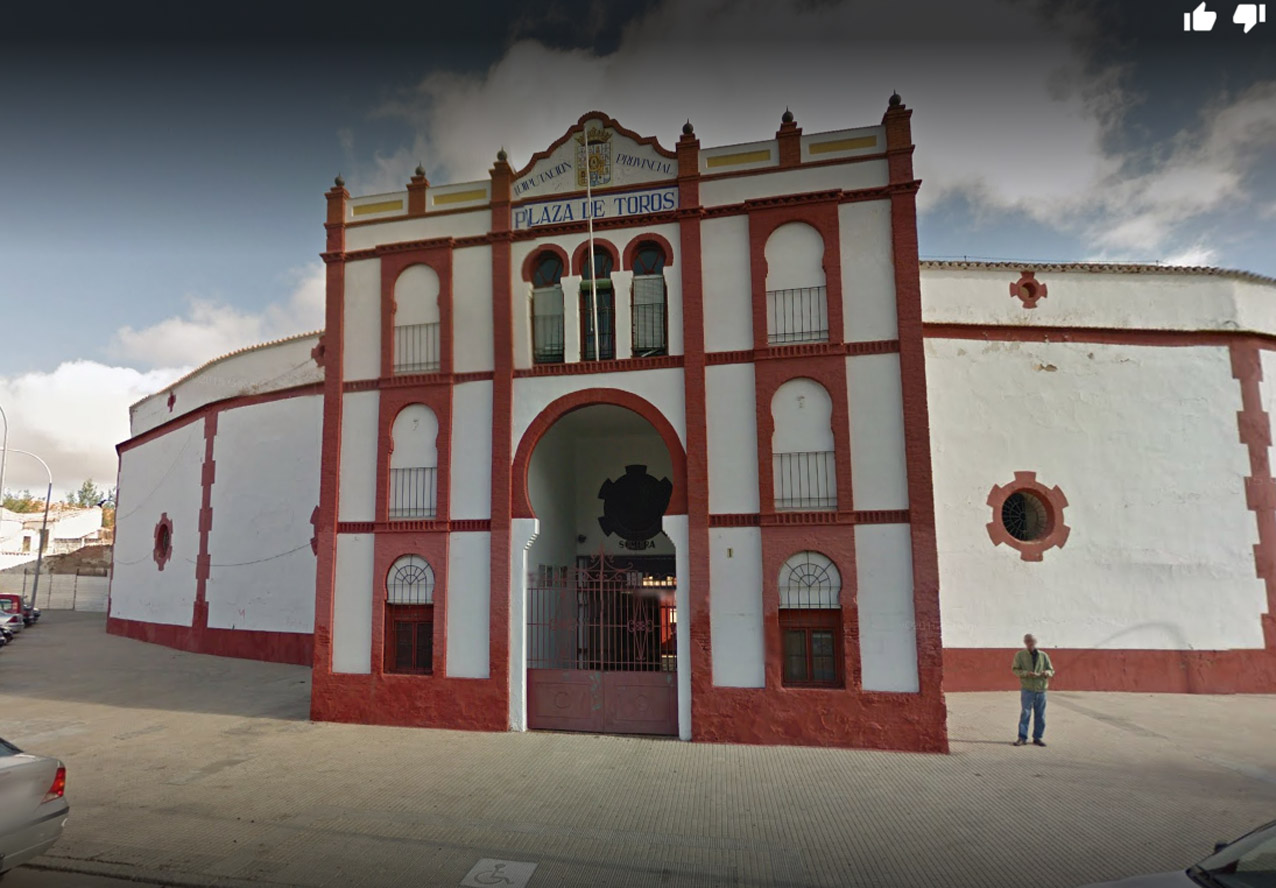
pixel 597 159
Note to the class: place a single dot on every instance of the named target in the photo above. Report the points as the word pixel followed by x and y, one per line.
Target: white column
pixel 571 319
pixel 622 293
pixel 523 532
pixel 676 528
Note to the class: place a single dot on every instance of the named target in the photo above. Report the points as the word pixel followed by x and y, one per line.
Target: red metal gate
pixel 602 650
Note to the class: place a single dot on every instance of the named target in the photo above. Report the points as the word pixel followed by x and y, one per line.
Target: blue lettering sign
pixel 631 203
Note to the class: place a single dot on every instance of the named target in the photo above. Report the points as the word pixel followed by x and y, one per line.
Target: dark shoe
pixel 1038 743
pixel 1020 742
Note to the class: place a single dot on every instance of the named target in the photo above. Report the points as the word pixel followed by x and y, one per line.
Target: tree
pixel 88 495
pixel 22 502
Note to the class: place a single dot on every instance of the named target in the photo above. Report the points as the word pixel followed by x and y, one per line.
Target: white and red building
pixel 798 484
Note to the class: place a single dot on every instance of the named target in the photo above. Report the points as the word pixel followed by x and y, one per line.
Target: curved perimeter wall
pixel 227 462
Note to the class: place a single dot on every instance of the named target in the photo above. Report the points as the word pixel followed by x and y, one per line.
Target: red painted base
pixel 1161 672
pixel 410 701
pixel 272 647
pixel 812 717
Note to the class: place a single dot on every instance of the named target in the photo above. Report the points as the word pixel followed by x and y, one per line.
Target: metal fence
pixel 648 329
pixel 416 348
pixel 413 493
pixel 797 315
pixel 80 591
pixel 805 481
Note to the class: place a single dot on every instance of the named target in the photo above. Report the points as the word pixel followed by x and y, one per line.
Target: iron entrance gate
pixel 602 649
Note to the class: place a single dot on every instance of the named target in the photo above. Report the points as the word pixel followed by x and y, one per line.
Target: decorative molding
pixel 1028 289
pixel 428 525
pixel 788 519
pixel 1055 533
pixel 616 365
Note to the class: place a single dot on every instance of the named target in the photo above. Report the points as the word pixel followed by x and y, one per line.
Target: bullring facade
pixel 719 477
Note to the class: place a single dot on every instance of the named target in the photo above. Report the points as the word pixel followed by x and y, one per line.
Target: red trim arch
pixel 763 221
pixel 632 247
pixel 556 410
pixel 578 257
pixel 529 263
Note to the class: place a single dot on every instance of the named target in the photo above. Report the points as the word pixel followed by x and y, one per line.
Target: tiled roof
pixel 1098 267
pixel 202 367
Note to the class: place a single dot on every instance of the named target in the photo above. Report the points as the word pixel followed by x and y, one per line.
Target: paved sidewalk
pixel 195 770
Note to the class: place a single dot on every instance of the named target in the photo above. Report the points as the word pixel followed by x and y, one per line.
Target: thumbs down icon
pixel 1249 15
pixel 1199 19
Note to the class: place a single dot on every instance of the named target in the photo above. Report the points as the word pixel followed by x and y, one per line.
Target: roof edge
pixel 1100 268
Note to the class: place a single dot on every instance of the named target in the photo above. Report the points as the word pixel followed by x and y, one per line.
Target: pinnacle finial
pixel 502 156
pixel 895 101
pixel 787 117
pixel 339 182
pixel 687 128
pixel 420 169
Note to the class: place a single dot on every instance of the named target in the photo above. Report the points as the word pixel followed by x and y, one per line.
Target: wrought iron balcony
pixel 416 348
pixel 797 315
pixel 413 493
pixel 805 481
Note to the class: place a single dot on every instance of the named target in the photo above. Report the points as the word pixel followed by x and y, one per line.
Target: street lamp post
pixel 44 526
pixel 4 452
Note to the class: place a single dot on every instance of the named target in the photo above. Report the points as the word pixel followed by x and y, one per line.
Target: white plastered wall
pixel 735 607
pixel 850 176
pixel 358 478
pixel 472 309
pixel 266 487
pixel 416 296
pixel 726 283
pixel 731 417
pixel 361 320
pixel 469 605
pixel 267 368
pixel 1160 553
pixel 868 271
pixel 879 472
pixel 158 477
pixel 363 237
pixel 352 604
pixel 884 606
pixel 471 470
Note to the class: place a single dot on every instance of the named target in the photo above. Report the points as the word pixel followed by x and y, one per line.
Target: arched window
pixel 416 320
pixel 804 469
pixel 811 620
pixel 409 643
pixel 597 278
pixel 414 464
pixel 796 298
pixel 650 323
pixel 547 309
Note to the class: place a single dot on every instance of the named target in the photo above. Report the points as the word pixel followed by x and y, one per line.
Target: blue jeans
pixel 1032 703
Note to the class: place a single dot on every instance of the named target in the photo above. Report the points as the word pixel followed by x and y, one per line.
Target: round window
pixel 1025 516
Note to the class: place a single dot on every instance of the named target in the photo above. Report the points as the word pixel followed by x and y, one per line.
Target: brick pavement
pixel 194 770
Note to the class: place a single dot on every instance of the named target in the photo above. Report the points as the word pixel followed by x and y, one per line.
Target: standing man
pixel 1034 670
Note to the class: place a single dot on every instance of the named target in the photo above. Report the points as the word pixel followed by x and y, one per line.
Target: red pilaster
pixel 921 497
pixel 417 189
pixel 789 135
pixel 502 427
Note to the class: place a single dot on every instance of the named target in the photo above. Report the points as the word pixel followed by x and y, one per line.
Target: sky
pixel 162 168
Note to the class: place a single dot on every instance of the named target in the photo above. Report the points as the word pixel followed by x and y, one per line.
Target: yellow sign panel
pixel 460 196
pixel 384 206
pixel 723 160
pixel 843 144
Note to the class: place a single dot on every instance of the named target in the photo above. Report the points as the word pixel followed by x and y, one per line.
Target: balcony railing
pixel 797 315
pixel 649 329
pixel 547 339
pixel 416 348
pixel 413 493
pixel 607 325
pixel 805 481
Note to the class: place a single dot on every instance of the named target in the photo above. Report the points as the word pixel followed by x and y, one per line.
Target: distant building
pixel 69 528
pixel 728 476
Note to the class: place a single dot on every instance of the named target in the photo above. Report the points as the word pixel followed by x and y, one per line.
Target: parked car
pixel 11 620
pixel 30 613
pixel 10 607
pixel 33 805
pixel 1244 863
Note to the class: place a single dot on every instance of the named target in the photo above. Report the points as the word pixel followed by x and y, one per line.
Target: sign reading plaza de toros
pixel 595 157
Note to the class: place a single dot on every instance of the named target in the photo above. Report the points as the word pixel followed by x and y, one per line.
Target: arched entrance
pixel 601 621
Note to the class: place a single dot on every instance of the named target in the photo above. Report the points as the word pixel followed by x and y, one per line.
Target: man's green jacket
pixel 1023 668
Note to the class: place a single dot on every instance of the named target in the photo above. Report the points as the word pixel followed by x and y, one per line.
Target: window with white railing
pixel 804 469
pixel 413 481
pixel 416 321
pixel 796 295
pixel 547 309
pixel 648 305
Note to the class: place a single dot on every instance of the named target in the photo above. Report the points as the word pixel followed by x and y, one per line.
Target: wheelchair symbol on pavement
pixel 506 873
pixel 494 876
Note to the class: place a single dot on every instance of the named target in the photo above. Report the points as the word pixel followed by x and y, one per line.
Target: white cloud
pixel 1018 118
pixel 75 415
pixel 72 418
pixel 210 328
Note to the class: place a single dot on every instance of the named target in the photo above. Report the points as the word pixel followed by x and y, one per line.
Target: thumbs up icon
pixel 1199 19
